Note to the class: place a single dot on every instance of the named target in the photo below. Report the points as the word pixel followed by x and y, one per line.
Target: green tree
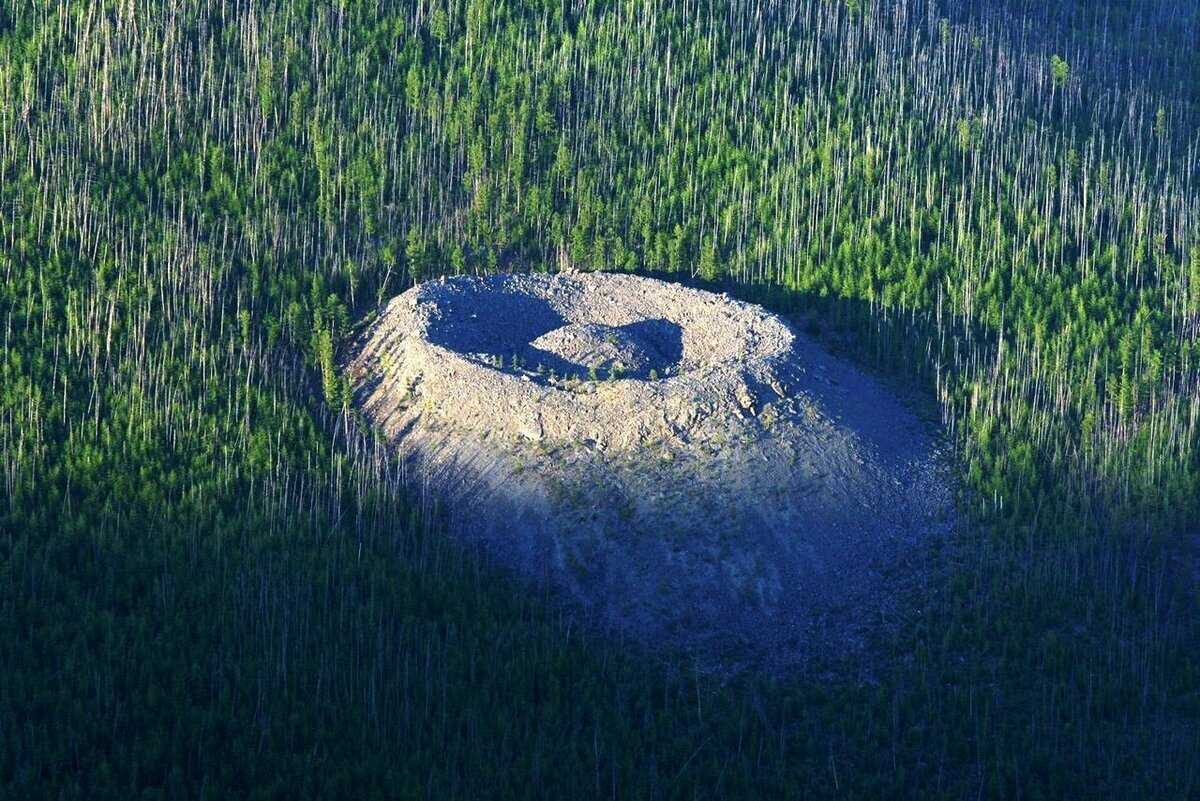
pixel 1060 71
pixel 416 254
pixel 710 265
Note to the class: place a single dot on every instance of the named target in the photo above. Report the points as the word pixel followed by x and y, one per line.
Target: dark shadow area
pixel 496 327
pixel 1146 43
pixel 646 350
pixel 493 322
pixel 661 338
pixel 900 347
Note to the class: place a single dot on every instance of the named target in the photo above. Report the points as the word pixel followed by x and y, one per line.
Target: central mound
pixel 584 347
pixel 683 466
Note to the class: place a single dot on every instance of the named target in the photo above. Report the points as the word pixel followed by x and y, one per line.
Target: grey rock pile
pixel 680 466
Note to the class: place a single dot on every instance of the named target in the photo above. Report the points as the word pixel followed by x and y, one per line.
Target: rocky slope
pixel 683 467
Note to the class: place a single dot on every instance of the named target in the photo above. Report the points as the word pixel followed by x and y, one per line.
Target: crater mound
pixel 591 347
pixel 681 466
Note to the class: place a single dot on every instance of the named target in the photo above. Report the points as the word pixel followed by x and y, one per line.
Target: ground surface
pixel 683 467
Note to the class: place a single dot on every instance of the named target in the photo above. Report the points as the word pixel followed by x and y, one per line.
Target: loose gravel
pixel 681 467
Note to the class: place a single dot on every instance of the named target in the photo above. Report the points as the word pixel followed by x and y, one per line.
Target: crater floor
pixel 682 467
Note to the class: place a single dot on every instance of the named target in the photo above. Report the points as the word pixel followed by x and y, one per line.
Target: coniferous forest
pixel 215 582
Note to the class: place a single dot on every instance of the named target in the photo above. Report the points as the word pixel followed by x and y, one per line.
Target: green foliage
pixel 215 582
pixel 1060 71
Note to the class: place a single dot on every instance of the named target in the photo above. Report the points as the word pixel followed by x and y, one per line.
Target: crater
pixel 680 467
pixel 637 350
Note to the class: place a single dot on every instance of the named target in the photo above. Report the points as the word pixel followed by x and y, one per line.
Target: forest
pixel 217 582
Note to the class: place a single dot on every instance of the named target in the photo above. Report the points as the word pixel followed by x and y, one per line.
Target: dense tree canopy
pixel 216 582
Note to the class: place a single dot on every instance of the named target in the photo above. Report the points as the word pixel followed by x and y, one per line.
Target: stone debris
pixel 681 466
